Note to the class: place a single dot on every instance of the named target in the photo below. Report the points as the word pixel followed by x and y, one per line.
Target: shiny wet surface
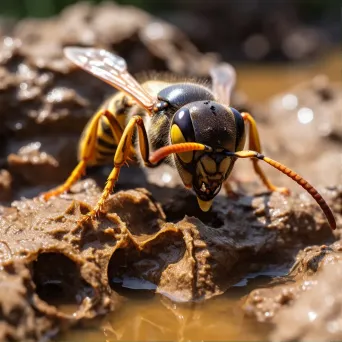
pixel 145 318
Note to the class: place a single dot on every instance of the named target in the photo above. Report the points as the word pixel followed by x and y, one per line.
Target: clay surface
pixel 134 245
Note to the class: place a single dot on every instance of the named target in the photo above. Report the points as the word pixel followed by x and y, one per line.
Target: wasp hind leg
pixel 87 151
pixel 255 145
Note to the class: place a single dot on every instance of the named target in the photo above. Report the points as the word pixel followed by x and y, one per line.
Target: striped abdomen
pixel 105 143
pixel 120 108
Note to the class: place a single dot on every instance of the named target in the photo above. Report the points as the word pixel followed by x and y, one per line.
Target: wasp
pixel 186 124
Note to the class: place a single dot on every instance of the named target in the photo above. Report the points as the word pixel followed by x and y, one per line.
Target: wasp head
pixel 215 125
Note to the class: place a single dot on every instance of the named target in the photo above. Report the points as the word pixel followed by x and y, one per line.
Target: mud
pixel 319 311
pixel 60 272
pixel 306 305
pixel 189 260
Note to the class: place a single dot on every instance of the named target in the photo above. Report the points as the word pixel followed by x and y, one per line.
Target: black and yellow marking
pixel 106 144
pixel 111 127
pixel 106 130
pixel 102 142
pixel 209 165
pixel 177 137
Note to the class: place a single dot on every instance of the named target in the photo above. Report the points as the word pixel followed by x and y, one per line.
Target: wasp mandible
pixel 186 124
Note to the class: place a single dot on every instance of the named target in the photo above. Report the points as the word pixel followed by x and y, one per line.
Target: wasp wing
pixel 111 69
pixel 223 80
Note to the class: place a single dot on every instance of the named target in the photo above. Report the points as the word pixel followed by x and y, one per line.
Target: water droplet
pixel 18 125
pixel 56 95
pixel 312 315
pixel 30 148
pixel 289 101
pixel 166 177
pixel 8 41
pixel 305 115
pixel 23 86
pixel 155 31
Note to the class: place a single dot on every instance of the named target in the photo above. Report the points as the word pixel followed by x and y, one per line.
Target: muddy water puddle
pixel 277 78
pixel 145 318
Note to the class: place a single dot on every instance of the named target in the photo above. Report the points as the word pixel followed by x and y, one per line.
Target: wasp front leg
pixel 87 150
pixel 230 192
pixel 121 156
pixel 255 145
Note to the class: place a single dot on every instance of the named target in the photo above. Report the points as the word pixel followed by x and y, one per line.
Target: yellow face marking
pixel 201 172
pixel 204 205
pixel 218 176
pixel 224 166
pixel 177 138
pixel 186 177
pixel 209 164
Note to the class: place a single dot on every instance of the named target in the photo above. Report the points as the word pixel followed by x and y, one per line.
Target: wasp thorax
pixel 180 94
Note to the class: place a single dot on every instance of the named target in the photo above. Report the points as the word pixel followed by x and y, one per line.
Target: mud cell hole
pixel 189 207
pixel 58 280
pixel 127 270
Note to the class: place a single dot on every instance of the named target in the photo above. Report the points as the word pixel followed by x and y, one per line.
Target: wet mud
pixel 58 272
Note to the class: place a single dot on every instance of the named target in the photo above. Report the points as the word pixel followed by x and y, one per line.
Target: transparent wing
pixel 223 79
pixel 111 69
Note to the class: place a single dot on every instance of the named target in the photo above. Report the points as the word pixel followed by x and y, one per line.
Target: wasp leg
pixel 254 144
pixel 87 151
pixel 121 156
pixel 230 192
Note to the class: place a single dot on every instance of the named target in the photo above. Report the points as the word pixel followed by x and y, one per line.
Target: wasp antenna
pixel 163 152
pixel 307 186
pixel 294 176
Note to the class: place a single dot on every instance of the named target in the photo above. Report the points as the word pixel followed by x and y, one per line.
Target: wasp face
pixel 213 124
pixel 210 171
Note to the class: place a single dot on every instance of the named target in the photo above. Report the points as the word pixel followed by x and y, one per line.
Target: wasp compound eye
pixel 182 131
pixel 183 120
pixel 240 129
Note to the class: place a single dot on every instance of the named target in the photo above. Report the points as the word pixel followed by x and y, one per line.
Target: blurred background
pixel 252 30
pixel 286 53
